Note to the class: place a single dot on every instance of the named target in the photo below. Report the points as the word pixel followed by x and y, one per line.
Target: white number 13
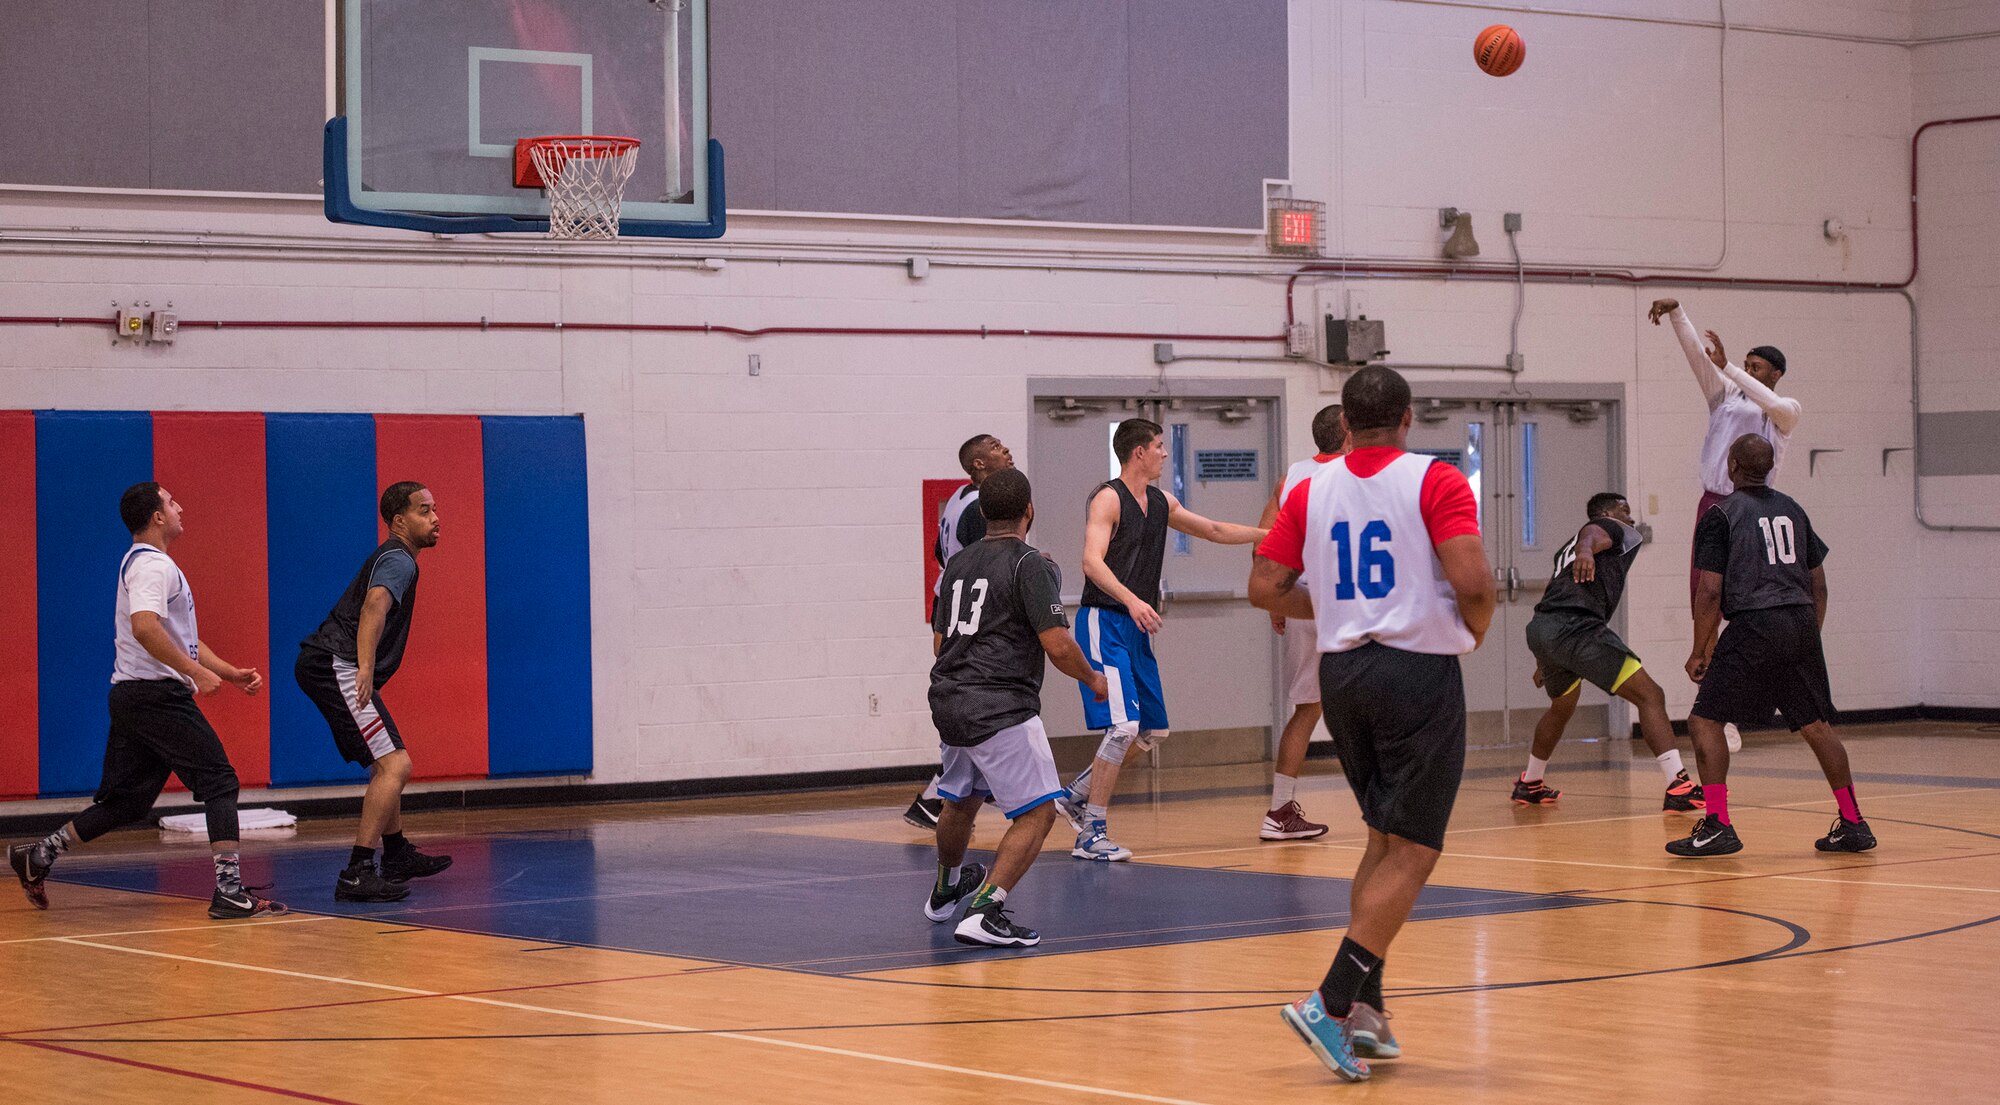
pixel 1781 546
pixel 971 622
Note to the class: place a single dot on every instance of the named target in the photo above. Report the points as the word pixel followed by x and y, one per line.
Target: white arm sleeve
pixel 149 583
pixel 1784 413
pixel 1704 369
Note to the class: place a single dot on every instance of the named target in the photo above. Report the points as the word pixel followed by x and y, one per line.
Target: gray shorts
pixel 1015 766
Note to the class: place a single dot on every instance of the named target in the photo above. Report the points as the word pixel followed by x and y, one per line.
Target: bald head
pixel 1750 461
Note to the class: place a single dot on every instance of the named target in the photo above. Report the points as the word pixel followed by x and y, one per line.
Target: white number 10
pixel 971 622
pixel 1780 545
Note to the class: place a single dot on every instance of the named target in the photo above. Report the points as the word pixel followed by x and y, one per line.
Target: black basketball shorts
pixel 363 733
pixel 1766 660
pixel 1398 722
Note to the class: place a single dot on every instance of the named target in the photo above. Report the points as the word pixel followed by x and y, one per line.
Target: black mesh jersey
pixel 1138 547
pixel 392 567
pixel 1762 543
pixel 1598 598
pixel 996 599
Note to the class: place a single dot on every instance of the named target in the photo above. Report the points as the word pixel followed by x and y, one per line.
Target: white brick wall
pixel 755 568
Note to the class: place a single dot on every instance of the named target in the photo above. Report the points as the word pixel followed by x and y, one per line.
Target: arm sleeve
pixel 971 526
pixel 1450 510
pixel 1697 357
pixel 1783 412
pixel 1711 542
pixel 1286 543
pixel 149 583
pixel 1039 586
pixel 1816 549
pixel 394 573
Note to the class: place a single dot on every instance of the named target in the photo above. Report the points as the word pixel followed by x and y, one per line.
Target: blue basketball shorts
pixel 1115 645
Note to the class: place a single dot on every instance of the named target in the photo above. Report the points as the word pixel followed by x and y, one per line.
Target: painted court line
pixel 184 928
pixel 795 1045
pixel 295 1095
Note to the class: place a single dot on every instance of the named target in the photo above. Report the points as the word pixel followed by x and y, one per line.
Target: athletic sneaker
pixel 1288 822
pixel 411 864
pixel 923 813
pixel 1368 1029
pixel 1095 843
pixel 1684 796
pixel 1846 836
pixel 992 927
pixel 362 883
pixel 26 860
pixel 1074 799
pixel 1732 737
pixel 1535 793
pixel 1326 1035
pixel 234 905
pixel 1710 838
pixel 942 906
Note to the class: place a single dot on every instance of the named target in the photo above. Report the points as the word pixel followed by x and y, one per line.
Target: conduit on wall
pixel 1349 268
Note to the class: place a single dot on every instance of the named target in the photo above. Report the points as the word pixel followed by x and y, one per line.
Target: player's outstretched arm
pixel 1069 660
pixel 1705 373
pixel 1102 520
pixel 1590 540
pixel 1471 577
pixel 1222 533
pixel 1274 587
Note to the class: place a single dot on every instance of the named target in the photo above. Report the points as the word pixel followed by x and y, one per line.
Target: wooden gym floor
pixel 772 949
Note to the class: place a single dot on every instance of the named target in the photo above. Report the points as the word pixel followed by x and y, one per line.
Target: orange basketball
pixel 1499 50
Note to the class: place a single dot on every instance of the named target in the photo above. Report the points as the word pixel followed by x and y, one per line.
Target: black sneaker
pixel 26 862
pixel 411 864
pixel 1684 796
pixel 992 928
pixel 234 905
pixel 1710 838
pixel 1846 836
pixel 361 883
pixel 923 813
pixel 1535 792
pixel 942 906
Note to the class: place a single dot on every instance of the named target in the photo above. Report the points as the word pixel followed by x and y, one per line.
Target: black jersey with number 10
pixel 1762 543
pixel 994 601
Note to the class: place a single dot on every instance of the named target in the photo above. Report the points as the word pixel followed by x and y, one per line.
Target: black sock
pixel 393 844
pixel 361 857
pixel 1371 990
pixel 1352 965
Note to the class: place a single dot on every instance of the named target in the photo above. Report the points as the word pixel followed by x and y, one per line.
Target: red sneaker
pixel 1288 822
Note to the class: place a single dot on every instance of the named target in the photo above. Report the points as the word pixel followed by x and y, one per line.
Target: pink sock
pixel 1849 811
pixel 1718 801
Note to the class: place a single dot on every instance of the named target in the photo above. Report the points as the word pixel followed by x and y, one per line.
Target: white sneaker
pixel 1732 736
pixel 1095 843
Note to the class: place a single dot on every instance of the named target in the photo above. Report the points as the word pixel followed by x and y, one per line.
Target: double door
pixel 1217 654
pixel 1533 462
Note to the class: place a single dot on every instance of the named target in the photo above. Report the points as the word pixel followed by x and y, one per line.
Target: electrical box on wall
pixel 1356 341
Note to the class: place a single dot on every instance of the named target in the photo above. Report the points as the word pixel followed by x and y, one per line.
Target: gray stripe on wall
pixel 1958 443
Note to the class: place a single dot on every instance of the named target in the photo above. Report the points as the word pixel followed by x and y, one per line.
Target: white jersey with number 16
pixel 1370 565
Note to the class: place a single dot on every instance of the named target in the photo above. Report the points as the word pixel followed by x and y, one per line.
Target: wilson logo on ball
pixel 1499 50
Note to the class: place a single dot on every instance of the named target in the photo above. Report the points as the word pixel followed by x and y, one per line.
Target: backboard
pixel 432 96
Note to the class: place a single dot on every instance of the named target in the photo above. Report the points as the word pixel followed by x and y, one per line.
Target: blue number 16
pixel 1377 568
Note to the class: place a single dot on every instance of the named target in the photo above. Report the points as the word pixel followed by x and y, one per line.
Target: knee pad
pixel 1117 739
pixel 1150 739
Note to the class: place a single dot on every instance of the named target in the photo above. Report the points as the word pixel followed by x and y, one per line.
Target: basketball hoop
pixel 584 177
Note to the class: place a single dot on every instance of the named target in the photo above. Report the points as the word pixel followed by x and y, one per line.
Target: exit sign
pixel 1296 228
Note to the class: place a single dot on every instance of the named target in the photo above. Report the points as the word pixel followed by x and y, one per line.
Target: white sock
pixel 1537 770
pixel 1283 789
pixel 1670 764
pixel 930 792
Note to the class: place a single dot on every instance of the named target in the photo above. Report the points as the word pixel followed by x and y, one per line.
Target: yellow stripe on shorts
pixel 1626 671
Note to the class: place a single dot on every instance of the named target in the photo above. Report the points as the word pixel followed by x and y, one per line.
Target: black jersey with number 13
pixel 994 601
pixel 1600 596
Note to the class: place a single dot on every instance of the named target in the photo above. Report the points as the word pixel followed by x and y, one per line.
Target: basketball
pixel 1499 50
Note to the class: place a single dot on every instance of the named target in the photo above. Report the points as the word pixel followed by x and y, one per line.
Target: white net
pixel 585 181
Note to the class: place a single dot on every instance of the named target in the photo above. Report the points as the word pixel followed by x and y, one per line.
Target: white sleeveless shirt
pixel 1370 566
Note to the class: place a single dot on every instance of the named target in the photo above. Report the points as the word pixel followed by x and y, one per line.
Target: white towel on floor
pixel 196 824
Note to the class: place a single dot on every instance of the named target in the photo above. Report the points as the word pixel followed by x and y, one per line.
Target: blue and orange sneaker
pixel 1326 1035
